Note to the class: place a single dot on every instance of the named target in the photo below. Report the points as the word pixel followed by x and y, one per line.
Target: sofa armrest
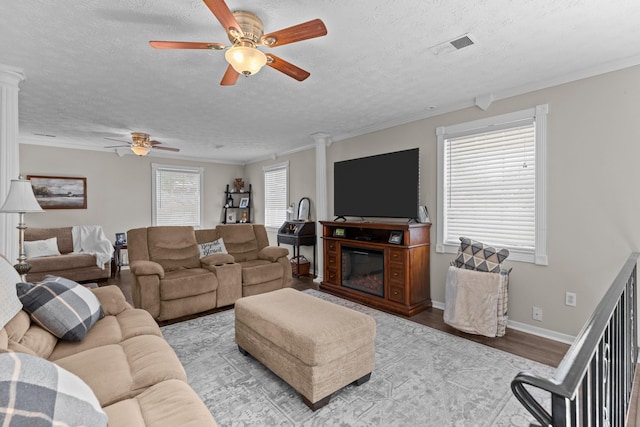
pixel 217 259
pixel 146 268
pixel 111 299
pixel 272 253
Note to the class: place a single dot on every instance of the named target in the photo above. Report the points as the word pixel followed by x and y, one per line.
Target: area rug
pixel 422 377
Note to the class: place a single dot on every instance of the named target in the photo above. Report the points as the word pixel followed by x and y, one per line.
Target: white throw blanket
pixel 471 300
pixel 90 239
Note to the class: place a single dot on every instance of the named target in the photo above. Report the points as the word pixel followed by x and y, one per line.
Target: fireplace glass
pixel 363 270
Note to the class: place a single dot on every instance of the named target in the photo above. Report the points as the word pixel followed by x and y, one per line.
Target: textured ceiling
pixel 91 73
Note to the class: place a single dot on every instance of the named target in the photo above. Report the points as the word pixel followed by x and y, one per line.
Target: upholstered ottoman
pixel 315 346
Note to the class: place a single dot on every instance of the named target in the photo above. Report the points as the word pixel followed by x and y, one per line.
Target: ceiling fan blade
pixel 186 45
pixel 230 77
pixel 286 67
pixel 117 146
pixel 221 11
pixel 155 147
pixel 118 140
pixel 155 142
pixel 304 31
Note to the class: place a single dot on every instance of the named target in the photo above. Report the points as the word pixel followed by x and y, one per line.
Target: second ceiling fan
pixel 245 31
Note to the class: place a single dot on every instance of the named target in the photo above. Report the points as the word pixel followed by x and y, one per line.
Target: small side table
pixel 116 261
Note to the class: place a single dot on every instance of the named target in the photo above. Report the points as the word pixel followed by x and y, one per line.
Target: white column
pixel 10 78
pixel 323 140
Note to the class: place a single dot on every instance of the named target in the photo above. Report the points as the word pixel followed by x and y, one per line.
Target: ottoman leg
pixel 363 379
pixel 317 405
pixel 243 351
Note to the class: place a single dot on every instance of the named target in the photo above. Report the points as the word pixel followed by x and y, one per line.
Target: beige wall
pixel 118 188
pixel 593 200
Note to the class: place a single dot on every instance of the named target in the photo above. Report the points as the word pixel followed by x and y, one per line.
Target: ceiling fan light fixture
pixel 245 59
pixel 140 150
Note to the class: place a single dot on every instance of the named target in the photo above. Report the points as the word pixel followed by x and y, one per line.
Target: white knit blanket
pixel 471 300
pixel 90 239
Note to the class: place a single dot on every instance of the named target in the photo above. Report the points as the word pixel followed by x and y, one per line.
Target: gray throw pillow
pixel 36 392
pixel 474 255
pixel 61 306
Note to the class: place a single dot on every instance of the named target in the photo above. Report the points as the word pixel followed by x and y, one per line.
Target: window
pixel 176 193
pixel 276 194
pixel 492 187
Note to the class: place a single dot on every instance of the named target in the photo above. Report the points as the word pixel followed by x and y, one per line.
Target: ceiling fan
pixel 245 31
pixel 141 144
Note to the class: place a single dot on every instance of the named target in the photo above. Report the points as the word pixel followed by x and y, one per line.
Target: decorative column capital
pixel 11 76
pixel 322 138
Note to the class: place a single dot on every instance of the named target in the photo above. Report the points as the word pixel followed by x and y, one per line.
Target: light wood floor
pixel 522 344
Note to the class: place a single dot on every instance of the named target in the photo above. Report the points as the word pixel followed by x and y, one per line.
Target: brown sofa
pixel 134 373
pixel 170 279
pixel 77 267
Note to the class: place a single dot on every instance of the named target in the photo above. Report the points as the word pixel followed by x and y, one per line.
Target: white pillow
pixel 10 304
pixel 215 247
pixel 40 248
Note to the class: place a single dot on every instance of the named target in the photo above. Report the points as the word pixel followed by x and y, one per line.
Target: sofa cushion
pixel 169 403
pixel 173 247
pixel 36 392
pixel 29 338
pixel 125 369
pixel 61 262
pixel 240 241
pixel 62 234
pixel 10 304
pixel 210 248
pixel 40 248
pixel 110 330
pixel 260 273
pixel 474 255
pixel 61 306
pixel 186 283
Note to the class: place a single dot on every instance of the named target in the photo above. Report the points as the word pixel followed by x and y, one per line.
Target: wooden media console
pixel 385 265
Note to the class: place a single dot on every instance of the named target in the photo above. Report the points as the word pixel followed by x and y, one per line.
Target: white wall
pixel 118 188
pixel 593 200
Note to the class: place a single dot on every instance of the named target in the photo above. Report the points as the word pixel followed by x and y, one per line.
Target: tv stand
pixel 405 287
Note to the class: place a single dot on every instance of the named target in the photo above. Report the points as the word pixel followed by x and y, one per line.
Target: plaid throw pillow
pixel 474 255
pixel 36 392
pixel 63 307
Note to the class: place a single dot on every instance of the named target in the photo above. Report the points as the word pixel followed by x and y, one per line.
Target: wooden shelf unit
pixel 406 265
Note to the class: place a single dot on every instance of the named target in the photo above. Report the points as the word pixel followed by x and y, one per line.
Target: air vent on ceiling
pixel 453 45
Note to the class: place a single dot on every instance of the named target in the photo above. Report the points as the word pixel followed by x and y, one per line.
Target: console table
pixel 399 261
pixel 299 233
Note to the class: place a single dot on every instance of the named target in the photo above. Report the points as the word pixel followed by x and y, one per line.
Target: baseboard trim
pixel 529 329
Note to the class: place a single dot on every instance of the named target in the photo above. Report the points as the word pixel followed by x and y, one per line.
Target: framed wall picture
pixel 231 217
pixel 58 192
pixel 244 202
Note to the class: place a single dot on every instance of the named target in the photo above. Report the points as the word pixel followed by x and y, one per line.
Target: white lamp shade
pixel 20 198
pixel 245 60
pixel 140 150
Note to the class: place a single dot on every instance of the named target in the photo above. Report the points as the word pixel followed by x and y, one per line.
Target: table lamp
pixel 21 200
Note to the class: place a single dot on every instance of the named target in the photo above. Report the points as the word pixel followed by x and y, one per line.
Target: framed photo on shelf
pixel 244 202
pixel 58 192
pixel 339 232
pixel 121 239
pixel 395 237
pixel 231 217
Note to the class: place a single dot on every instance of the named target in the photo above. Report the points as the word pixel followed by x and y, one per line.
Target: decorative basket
pixel 304 265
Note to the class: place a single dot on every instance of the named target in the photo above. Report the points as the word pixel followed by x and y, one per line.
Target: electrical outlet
pixel 537 314
pixel 570 299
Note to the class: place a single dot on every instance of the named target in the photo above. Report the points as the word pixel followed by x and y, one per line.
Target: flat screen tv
pixel 385 185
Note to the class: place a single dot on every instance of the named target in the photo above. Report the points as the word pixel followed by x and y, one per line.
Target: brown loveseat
pixel 171 280
pixel 133 372
pixel 78 267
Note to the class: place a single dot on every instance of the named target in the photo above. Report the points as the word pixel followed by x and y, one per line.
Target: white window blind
pixel 177 195
pixel 276 194
pixel 492 185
